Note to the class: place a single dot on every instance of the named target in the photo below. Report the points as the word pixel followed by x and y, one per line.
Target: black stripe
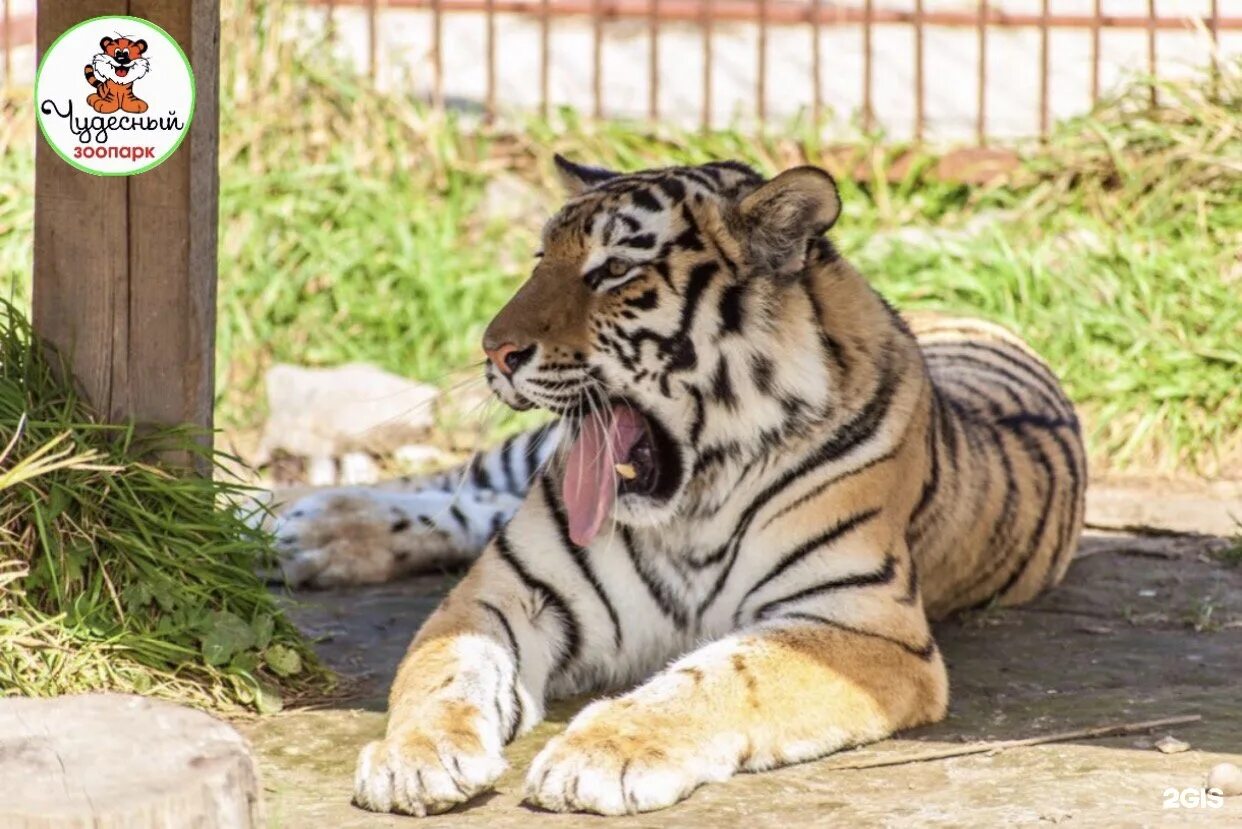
pixel 1029 419
pixel 1050 396
pixel 722 386
pixel 695 175
pixel 460 518
pixel 823 485
pixel 644 200
pixel 506 464
pixel 731 310
pixel 912 580
pixel 580 556
pixel 882 575
pixel 831 348
pixel 553 599
pixel 518 711
pixel 855 432
pixel 1072 459
pixel 1033 450
pixel 700 276
pixel 925 652
pixel 700 416
pixel 804 549
pixel 656 588
pixel 932 483
pixel 639 241
pixel 1039 372
pixel 645 301
pixel 478 475
pixel 674 189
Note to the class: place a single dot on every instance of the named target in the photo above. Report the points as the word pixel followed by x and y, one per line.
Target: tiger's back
pixel 1003 497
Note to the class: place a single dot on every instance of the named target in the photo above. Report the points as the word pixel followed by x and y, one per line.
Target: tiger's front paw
pixel 417 772
pixel 619 764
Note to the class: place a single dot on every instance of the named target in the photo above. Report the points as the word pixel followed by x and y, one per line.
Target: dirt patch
pixel 1143 628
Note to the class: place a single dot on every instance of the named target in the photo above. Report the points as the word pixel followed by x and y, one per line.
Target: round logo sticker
pixel 114 95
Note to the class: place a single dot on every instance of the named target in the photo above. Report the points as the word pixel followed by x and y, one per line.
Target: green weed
pixel 115 574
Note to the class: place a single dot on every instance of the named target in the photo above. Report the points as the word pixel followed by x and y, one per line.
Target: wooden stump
pixel 107 761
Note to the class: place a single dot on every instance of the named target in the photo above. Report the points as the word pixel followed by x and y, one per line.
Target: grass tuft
pixel 116 574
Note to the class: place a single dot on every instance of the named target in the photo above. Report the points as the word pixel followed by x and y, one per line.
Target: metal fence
pixel 707 16
pixel 813 15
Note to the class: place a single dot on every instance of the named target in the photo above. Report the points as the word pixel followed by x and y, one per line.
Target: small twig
pixel 1144 530
pixel 1002 745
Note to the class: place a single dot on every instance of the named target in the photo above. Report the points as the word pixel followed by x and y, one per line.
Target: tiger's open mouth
pixel 121 71
pixel 618 451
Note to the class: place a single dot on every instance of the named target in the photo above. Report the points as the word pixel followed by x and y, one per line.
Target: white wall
pixel 950 68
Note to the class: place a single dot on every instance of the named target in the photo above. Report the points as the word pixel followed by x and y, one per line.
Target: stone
pixel 113 760
pixel 1227 777
pixel 328 412
pixel 1168 744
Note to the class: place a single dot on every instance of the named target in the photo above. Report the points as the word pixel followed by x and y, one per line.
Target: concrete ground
pixel 1144 627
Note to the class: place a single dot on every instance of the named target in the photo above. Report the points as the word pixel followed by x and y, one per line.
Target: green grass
pixel 352 228
pixel 115 574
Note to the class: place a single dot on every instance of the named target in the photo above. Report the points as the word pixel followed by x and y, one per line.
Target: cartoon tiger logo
pixel 112 74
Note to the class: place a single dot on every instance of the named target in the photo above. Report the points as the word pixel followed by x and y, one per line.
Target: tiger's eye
pixel 619 267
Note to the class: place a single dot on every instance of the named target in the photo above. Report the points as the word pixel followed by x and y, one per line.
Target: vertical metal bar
pixel 817 92
pixel 1043 68
pixel 705 9
pixel 868 21
pixel 920 114
pixel 1214 31
pixel 489 105
pixel 597 56
pixel 437 54
pixel 1096 19
pixel 372 45
pixel 7 46
pixel 653 60
pixel 761 82
pixel 545 66
pixel 1151 50
pixel 981 92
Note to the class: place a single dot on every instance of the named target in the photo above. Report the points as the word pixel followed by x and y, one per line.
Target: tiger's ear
pixel 142 46
pixel 577 177
pixel 103 44
pixel 781 216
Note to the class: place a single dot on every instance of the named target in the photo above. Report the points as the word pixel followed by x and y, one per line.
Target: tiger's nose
pixel 508 357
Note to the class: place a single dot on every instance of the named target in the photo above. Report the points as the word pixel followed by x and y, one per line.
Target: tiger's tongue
pixel 590 485
pixel 121 71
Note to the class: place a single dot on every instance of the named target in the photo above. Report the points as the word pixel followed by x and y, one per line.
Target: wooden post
pixel 125 268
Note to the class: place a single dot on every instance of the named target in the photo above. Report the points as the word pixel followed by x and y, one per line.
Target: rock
pixel 1168 744
pixel 419 459
pixel 513 200
pixel 321 413
pixel 103 760
pixel 358 469
pixel 1227 777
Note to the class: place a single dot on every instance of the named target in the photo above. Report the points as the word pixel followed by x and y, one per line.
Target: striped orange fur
pixel 810 477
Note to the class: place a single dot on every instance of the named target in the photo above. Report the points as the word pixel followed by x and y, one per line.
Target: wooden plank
pixel 81 264
pixel 125 267
pixel 172 241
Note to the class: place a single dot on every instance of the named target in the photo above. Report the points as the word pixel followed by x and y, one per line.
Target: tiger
pixel 112 74
pixel 763 485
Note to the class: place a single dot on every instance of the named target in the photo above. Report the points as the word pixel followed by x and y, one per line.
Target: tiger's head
pixel 121 60
pixel 669 321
